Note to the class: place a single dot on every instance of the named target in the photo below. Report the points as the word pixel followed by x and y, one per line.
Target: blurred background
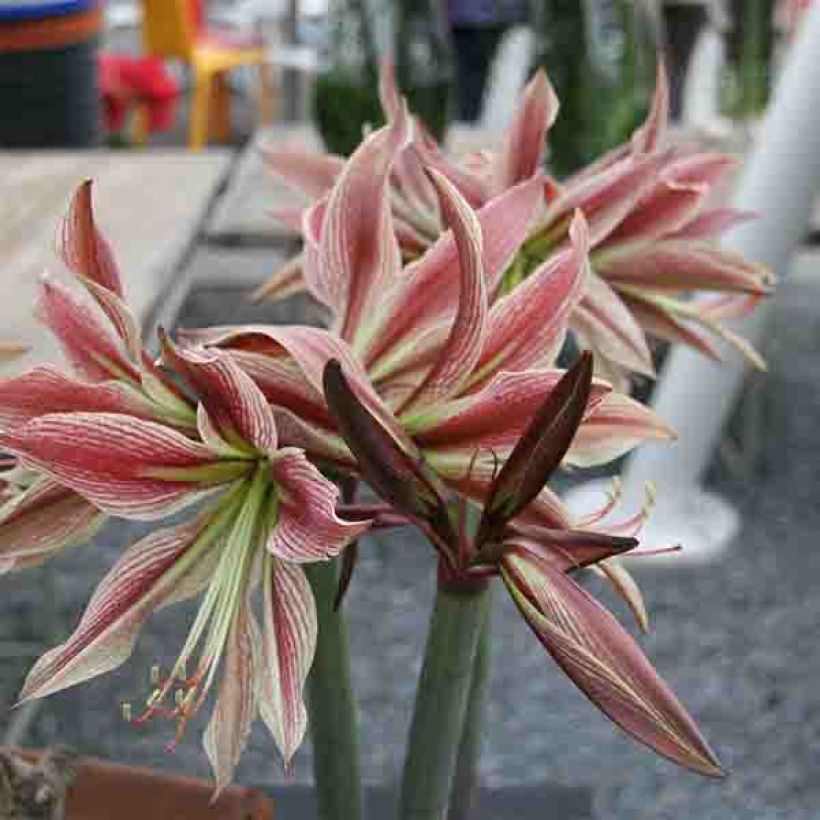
pixel 166 103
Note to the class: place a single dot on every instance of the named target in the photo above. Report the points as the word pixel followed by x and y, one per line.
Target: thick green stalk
pixel 334 729
pixel 441 702
pixel 464 796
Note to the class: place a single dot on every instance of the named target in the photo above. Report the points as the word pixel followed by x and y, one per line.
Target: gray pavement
pixel 736 639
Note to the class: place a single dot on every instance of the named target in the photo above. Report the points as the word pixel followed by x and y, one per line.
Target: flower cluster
pixel 450 289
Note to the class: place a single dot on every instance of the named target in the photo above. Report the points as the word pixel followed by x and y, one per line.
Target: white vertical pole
pixel 780 182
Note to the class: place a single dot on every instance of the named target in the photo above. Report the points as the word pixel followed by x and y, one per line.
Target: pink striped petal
pixel 494 417
pixel 427 290
pixel 666 209
pixel 389 95
pixel 566 550
pixel 310 174
pixel 605 662
pixel 357 250
pixel 114 460
pixel 712 223
pixel 234 711
pixel 526 325
pixel 523 151
pixel 93 350
pixel 233 401
pixel 45 390
pixel 649 136
pixel 311 348
pixel 679 265
pixel 698 167
pixel 307 528
pixel 288 280
pixel 462 348
pixel 42 520
pixel 607 326
pixel 613 427
pixel 662 325
pixel 83 248
pixel 148 576
pixel 321 443
pixel 606 197
pixel 289 644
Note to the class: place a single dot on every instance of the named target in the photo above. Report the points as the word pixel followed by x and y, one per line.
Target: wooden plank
pixel 150 205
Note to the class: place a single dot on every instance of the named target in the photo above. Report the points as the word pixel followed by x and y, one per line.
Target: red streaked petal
pixel 235 708
pixel 357 245
pixel 43 519
pixel 109 459
pixel 680 265
pixel 523 149
pixel 44 389
pixel 427 290
pixel 147 576
pixel 288 280
pixel 310 174
pixel 462 348
pixel 308 528
pixel 613 427
pixel 81 245
pixel 93 350
pixel 605 662
pixel 234 403
pixel 607 326
pixel 649 136
pixel 566 550
pixel 525 325
pixel 713 222
pixel 289 630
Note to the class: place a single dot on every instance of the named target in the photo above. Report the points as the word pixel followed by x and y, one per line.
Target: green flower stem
pixel 441 701
pixel 465 784
pixel 333 722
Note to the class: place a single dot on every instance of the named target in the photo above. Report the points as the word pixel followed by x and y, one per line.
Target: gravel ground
pixel 733 638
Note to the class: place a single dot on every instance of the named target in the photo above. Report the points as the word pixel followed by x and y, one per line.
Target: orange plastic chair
pixel 173 29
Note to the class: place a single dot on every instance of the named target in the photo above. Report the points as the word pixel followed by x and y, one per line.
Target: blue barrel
pixel 48 73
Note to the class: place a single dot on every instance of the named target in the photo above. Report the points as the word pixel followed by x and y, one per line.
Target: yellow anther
pixel 154 675
pixel 126 711
pixel 153 698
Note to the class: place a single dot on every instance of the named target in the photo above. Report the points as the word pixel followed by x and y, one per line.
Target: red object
pixel 127 81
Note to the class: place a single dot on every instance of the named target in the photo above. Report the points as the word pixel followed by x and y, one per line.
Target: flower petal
pixel 613 427
pixel 427 290
pixel 679 265
pixel 311 174
pixel 233 401
pixel 93 350
pixel 524 141
pixel 235 708
pixel 114 461
pixel 45 389
pixel 43 519
pixel 357 245
pixel 83 248
pixel 526 325
pixel 462 348
pixel 566 550
pixel 605 662
pixel 307 528
pixel 287 280
pixel 607 326
pixel 148 576
pixel 289 630
pixel 648 137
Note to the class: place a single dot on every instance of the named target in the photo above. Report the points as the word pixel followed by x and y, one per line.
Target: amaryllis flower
pixel 416 215
pixel 455 377
pixel 534 562
pixel 130 441
pixel 653 213
pixel 269 510
pixel 654 216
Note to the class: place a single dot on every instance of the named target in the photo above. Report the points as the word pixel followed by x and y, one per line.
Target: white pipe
pixel 780 182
